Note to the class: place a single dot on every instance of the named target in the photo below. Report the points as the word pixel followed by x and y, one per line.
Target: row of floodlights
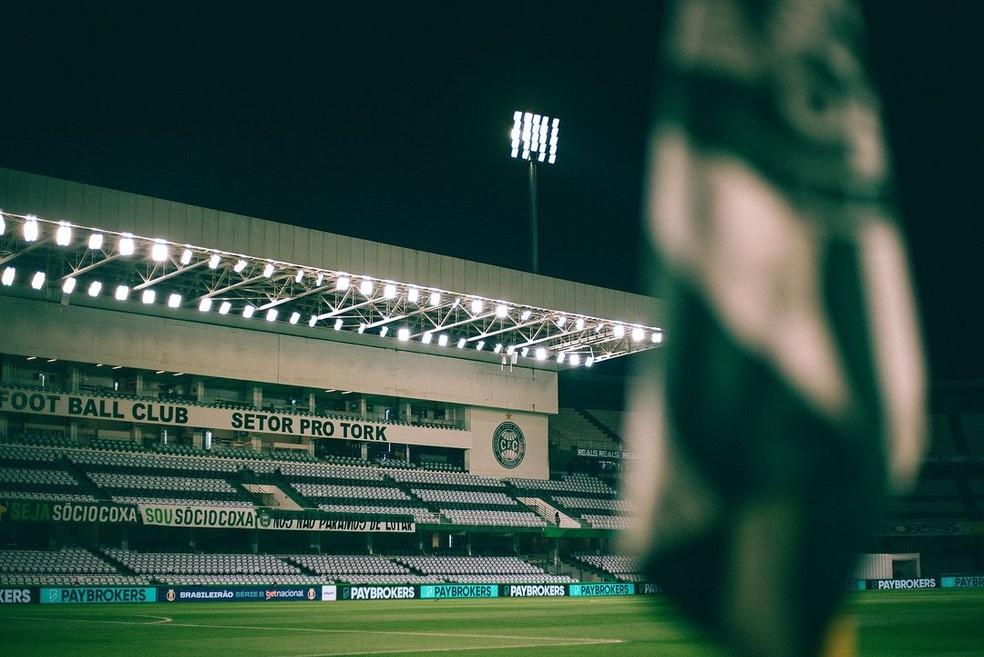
pixel 535 136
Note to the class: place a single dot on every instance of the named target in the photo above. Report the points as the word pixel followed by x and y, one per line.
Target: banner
pixel 534 590
pixel 611 454
pixel 87 594
pixel 606 589
pixel 901 584
pixel 170 515
pixel 239 593
pixel 17 596
pixel 443 591
pixel 962 581
pixel 647 588
pixel 377 592
pixel 46 511
pixel 207 417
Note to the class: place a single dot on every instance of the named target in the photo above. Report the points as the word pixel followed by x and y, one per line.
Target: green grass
pixel 892 624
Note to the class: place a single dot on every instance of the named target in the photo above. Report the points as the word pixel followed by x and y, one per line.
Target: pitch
pixel 905 623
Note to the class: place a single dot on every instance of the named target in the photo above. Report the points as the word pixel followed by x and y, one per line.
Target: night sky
pixel 390 121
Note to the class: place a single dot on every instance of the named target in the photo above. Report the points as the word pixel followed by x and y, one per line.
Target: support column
pixel 311 402
pixel 369 542
pixel 407 412
pixel 256 396
pixel 138 385
pixel 6 369
pixel 198 388
pixel 363 408
pixel 315 541
pixel 74 378
pixel 254 541
pixel 136 434
pixel 364 448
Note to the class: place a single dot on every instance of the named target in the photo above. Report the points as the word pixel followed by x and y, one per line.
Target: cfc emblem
pixel 508 444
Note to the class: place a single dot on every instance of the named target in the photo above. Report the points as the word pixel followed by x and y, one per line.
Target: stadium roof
pixel 62 261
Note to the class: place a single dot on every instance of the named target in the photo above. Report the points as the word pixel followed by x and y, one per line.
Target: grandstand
pixel 195 438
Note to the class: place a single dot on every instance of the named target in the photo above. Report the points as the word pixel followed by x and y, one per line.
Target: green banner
pixel 48 511
pixel 92 594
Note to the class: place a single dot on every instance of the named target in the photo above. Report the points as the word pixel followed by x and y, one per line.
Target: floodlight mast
pixel 534 138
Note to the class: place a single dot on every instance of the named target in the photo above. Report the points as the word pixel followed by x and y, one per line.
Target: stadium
pixel 201 407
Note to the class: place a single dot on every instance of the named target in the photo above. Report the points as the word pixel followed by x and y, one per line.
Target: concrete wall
pixel 96 335
pixel 51 198
pixel 483 422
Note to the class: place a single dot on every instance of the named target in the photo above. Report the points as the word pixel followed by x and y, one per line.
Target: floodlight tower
pixel 534 138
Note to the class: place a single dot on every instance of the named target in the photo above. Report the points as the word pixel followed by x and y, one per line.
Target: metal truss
pixel 49 259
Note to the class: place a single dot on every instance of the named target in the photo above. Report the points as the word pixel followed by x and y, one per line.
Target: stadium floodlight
pixel 480 345
pixel 524 352
pixel 525 315
pixel 299 276
pixel 413 295
pixel 37 282
pixel 338 324
pixel 205 304
pixel 560 357
pixel 561 320
pixel 383 331
pixel 442 340
pixel 248 311
pixel 268 270
pixel 174 300
pixel 159 251
pixel 389 291
pixel 589 361
pixel 224 308
pixel 3 224
pixel 427 338
pixel 541 353
pixel 126 245
pixel 271 315
pixel 31 229
pixel 638 334
pixel 295 317
pixel 579 324
pixel 501 311
pixel 435 298
pixel 365 288
pixel 63 236
pixel 186 257
pixel 476 306
pixel 214 260
pixel 497 348
pixel 123 292
pixel 68 285
pixel 239 266
pixel 510 350
pixel 575 360
pixel 362 328
pixel 342 283
pixel 657 337
pixel 95 287
pixel 403 334
pixel 312 321
pixel 618 330
pixel 461 343
pixel 534 138
pixel 96 241
pixel 320 279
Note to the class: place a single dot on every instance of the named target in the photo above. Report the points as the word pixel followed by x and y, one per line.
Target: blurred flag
pixel 792 400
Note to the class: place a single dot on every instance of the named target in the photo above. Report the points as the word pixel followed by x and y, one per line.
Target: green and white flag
pixel 791 399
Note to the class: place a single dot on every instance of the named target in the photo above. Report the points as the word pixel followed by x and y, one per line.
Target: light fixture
pixel 31 357
pixel 205 304
pixel 95 287
pixel 248 311
pixel 579 324
pixel 561 356
pixel 271 315
pixel 186 257
pixel 501 311
pixel 541 353
pixel 534 137
pixel 524 351
pixel 638 334
pixel 497 348
pixel 561 321
pixel 342 283
pixel 575 360
pixel 159 251
pixel 413 295
pixel 362 328
pixel 117 367
pixel 122 292
pixel 96 241
pixel 174 300
pixel 338 324
pixel 435 298
pixel 365 288
pixel 3 224
pixel 8 276
pixel 657 337
pixel 476 306
pixel 618 330
pixel 68 285
pixel 224 308
pixel 268 270
pixel 37 282
pixel 442 340
pixel 295 317
pixel 299 276
pixel 213 261
pixel 63 236
pixel 510 349
pixel 320 279
pixel 239 266
pixel 383 331
pixel 480 345
pixel 31 229
pixel 589 361
pixel 525 315
pixel 389 291
pixel 403 334
pixel 461 343
pixel 312 321
pixel 126 245
pixel 427 337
